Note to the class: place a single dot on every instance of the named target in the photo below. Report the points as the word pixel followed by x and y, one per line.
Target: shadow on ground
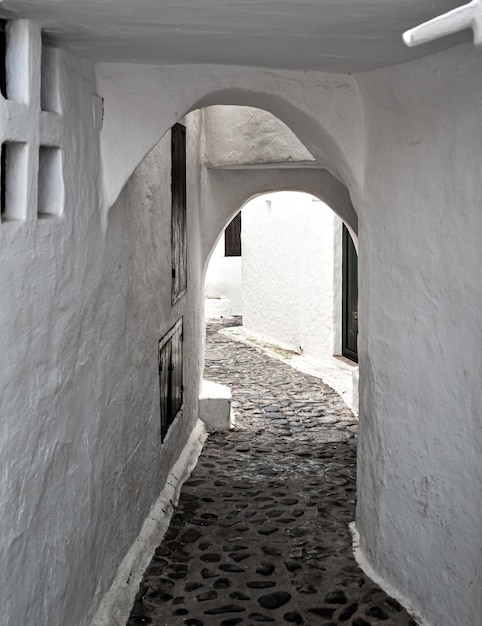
pixel 261 534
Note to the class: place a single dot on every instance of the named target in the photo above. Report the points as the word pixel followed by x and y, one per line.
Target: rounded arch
pixel 286 280
pixel 324 111
pixel 228 191
pixel 318 139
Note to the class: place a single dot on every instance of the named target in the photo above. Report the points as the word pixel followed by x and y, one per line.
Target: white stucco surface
pixel 420 476
pixel 333 134
pixel 85 300
pixel 215 308
pixel 226 190
pixel 116 605
pixel 235 136
pixel 394 592
pixel 223 283
pixel 86 297
pixel 319 34
pixel 52 371
pixel 418 314
pixel 288 272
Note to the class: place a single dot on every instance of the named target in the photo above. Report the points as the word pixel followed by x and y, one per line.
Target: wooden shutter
pixel 3 90
pixel 170 376
pixel 232 237
pixel 178 212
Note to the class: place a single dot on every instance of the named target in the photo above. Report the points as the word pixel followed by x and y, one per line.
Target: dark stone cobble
pixel 261 534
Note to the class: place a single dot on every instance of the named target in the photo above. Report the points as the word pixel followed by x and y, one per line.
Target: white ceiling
pixel 327 35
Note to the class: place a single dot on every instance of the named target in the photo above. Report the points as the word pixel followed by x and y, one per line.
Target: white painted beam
pixel 467 16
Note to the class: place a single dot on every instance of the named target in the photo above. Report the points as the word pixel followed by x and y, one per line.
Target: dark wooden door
pixel 350 298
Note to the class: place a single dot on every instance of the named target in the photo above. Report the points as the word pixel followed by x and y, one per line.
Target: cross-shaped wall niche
pixel 30 125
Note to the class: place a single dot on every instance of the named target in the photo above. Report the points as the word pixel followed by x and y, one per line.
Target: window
pixel 3 91
pixel 3 57
pixel 178 212
pixel 170 376
pixel 232 237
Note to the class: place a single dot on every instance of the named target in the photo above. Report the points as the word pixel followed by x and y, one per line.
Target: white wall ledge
pixel 116 604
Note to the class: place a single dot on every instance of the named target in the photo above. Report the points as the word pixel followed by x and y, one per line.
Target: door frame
pixel 349 294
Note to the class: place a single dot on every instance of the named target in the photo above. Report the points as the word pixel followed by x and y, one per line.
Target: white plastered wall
pixel 420 443
pixel 288 272
pixel 407 142
pixel 88 293
pixel 224 283
pixel 236 136
pixel 420 438
pixel 246 138
pixel 333 134
pixel 85 299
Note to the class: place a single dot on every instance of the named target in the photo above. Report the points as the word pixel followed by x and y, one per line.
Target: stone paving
pixel 260 535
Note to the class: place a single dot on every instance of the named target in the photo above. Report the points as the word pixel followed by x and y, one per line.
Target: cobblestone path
pixel 261 534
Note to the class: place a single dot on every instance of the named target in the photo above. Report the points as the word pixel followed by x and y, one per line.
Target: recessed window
pixel 3 57
pixel 232 237
pixel 170 376
pixel 178 212
pixel 13 195
pixel 50 182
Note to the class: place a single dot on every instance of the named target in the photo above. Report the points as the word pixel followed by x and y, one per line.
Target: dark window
pixel 3 57
pixel 178 214
pixel 350 298
pixel 3 90
pixel 170 376
pixel 232 237
pixel 3 179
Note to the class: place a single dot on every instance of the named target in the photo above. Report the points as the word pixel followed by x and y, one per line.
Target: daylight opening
pixel 291 286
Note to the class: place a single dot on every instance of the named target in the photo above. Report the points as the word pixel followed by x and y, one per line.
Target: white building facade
pixel 287 283
pixel 99 266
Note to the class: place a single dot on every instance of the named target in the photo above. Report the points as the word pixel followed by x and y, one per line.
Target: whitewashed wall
pixel 236 137
pixel 420 441
pixel 223 283
pixel 85 299
pixel 288 272
pixel 406 142
pixel 239 136
pixel 287 284
pixel 135 306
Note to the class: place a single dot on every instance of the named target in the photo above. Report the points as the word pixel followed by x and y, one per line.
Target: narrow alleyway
pixel 261 531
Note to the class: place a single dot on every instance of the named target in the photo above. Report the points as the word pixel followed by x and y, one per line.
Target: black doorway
pixel 350 298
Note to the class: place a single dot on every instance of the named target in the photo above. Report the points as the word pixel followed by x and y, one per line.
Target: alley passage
pixel 261 532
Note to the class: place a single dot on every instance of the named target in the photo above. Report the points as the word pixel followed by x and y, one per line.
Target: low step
pixel 215 406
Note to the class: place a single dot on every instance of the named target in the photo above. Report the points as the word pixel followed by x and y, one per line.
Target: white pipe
pixel 467 16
